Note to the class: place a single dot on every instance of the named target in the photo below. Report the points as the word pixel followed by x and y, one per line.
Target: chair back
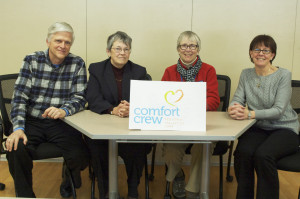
pixel 224 86
pixel 7 83
pixel 295 99
pixel 292 162
pixel 148 77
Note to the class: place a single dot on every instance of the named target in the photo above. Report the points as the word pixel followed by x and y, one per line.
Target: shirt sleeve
pixel 21 96
pixel 77 98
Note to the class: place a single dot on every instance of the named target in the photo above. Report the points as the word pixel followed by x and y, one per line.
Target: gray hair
pixel 60 27
pixel 119 35
pixel 191 36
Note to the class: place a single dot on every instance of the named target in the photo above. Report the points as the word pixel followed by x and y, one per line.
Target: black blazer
pixel 102 91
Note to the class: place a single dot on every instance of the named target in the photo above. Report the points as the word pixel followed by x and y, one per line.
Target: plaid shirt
pixel 41 85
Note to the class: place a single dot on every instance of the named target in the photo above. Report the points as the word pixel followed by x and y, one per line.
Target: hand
pixel 238 112
pixel 13 140
pixel 54 113
pixel 122 110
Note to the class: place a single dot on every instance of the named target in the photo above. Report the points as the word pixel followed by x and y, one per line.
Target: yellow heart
pixel 172 92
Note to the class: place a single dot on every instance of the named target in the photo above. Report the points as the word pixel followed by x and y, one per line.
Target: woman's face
pixel 261 55
pixel 187 51
pixel 119 54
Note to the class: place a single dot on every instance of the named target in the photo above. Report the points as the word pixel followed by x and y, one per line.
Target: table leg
pixel 205 174
pixel 113 169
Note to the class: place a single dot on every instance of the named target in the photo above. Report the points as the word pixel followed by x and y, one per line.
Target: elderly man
pixel 51 85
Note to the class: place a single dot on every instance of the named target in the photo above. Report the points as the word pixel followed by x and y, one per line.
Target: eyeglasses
pixel 265 52
pixel 185 46
pixel 119 50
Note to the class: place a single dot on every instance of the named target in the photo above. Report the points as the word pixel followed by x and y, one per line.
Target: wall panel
pixel 24 26
pixel 227 28
pixel 153 25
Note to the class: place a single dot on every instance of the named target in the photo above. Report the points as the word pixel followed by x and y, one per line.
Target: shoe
pixel 128 197
pixel 65 190
pixel 178 186
pixel 192 195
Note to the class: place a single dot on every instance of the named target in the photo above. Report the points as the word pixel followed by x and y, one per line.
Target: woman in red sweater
pixel 189 68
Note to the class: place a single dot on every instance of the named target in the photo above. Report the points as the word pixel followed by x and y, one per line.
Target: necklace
pixel 258 84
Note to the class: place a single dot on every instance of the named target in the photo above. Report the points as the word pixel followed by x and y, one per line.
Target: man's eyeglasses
pixel 265 52
pixel 185 46
pixel 118 50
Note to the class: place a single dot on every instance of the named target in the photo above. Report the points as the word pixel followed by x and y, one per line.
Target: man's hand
pixel 13 140
pixel 54 113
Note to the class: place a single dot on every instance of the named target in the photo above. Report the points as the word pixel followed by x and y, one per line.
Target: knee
pixel 21 149
pixel 173 153
pixel 262 157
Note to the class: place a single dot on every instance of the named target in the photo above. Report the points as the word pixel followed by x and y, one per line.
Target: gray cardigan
pixel 269 96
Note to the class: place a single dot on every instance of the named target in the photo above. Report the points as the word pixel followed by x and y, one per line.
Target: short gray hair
pixel 60 27
pixel 119 35
pixel 191 36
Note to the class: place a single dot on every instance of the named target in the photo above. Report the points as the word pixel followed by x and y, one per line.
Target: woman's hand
pixel 122 110
pixel 238 112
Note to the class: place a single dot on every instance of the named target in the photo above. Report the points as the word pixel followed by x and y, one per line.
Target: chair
pixel 224 86
pixel 44 150
pixel 2 186
pixel 292 162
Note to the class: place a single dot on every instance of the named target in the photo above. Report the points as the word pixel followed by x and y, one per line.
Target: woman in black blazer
pixel 108 92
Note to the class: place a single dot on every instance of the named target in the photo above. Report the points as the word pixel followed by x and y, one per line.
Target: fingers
pixel 54 113
pixel 13 140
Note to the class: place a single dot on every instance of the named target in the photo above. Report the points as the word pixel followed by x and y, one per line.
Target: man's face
pixel 59 46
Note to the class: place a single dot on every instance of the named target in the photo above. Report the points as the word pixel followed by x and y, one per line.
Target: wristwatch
pixel 249 115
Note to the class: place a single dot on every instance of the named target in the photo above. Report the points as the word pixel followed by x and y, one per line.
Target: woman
pixel 266 90
pixel 108 93
pixel 189 68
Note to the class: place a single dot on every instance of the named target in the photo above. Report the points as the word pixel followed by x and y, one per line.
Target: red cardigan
pixel 207 73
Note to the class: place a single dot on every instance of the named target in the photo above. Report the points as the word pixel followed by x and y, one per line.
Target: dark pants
pixel 259 150
pixel 133 156
pixel 40 131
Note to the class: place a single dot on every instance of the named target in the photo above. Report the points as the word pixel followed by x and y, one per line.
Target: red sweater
pixel 207 73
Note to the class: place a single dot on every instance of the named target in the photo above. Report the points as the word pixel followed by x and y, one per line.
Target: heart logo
pixel 172 98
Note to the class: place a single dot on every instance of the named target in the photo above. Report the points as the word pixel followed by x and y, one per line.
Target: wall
pixel 225 28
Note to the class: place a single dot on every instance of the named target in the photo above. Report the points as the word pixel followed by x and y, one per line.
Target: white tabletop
pixel 219 126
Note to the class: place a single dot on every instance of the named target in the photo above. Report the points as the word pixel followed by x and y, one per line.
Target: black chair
pixel 44 150
pixel 224 86
pixel 292 162
pixel 2 186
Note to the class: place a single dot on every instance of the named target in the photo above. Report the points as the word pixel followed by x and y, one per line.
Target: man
pixel 50 86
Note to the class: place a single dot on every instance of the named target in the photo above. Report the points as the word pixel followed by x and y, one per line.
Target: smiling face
pixel 119 54
pixel 59 46
pixel 188 55
pixel 259 58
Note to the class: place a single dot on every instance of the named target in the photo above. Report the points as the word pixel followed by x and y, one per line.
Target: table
pixel 219 127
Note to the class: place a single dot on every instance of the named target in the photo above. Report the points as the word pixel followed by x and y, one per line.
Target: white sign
pixel 166 105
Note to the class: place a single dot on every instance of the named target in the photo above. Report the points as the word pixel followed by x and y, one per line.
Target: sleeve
pixel 96 101
pixel 77 98
pixel 212 93
pixel 239 95
pixel 282 99
pixel 166 76
pixel 20 96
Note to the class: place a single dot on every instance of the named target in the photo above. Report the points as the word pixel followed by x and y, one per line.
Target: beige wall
pixel 225 28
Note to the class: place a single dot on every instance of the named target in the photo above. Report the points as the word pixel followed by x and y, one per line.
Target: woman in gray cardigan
pixel 264 94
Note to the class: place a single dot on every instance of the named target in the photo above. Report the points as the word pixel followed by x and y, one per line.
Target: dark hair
pixel 266 40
